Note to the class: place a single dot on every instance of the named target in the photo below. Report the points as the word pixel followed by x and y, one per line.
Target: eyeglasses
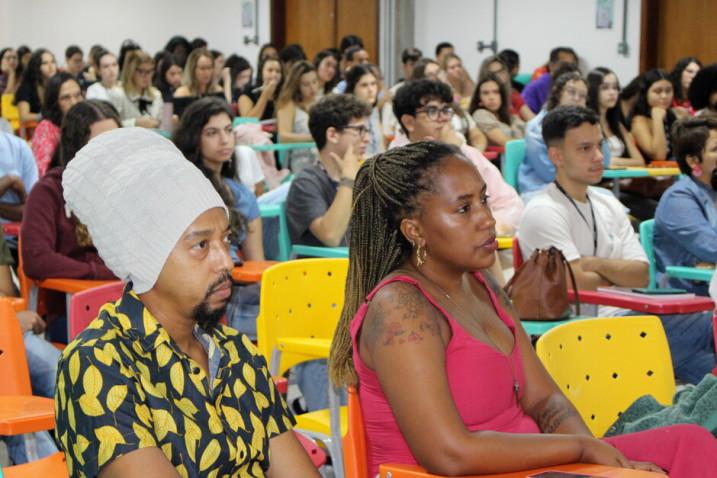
pixel 144 71
pixel 576 94
pixel 434 112
pixel 361 129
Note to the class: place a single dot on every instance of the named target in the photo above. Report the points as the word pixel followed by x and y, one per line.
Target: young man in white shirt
pixel 594 233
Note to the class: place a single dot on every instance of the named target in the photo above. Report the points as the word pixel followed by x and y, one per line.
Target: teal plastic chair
pixel 282 149
pixel 318 251
pixel 278 211
pixel 522 78
pixel 647 231
pixel 514 155
pixel 244 120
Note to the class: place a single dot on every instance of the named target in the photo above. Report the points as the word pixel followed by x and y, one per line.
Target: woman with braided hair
pixel 446 374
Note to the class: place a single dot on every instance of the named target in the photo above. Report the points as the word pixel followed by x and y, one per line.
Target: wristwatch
pixel 348 182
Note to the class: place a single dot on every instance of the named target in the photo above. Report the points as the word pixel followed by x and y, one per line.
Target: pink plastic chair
pixel 85 305
pixel 316 454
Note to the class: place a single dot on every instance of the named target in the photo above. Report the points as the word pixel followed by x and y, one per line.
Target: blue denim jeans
pixel 312 378
pixel 691 344
pixel 42 358
pixel 243 309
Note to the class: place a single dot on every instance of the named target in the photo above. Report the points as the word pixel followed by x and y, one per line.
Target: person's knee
pixel 692 436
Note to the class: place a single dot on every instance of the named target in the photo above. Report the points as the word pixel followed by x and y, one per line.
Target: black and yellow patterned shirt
pixel 123 384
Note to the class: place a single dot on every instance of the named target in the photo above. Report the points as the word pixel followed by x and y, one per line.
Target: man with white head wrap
pixel 155 382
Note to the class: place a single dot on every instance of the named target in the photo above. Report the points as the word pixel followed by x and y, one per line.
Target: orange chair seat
pixel 251 271
pixel 25 414
pixel 71 286
pixel 413 471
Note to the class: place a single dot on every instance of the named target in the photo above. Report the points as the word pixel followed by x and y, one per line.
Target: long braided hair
pixel 386 191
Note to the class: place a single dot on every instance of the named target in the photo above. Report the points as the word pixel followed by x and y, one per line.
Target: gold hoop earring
pixel 420 255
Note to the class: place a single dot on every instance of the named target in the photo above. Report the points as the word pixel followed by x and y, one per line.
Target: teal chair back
pixel 514 154
pixel 647 231
pixel 244 120
pixel 522 78
pixel 284 242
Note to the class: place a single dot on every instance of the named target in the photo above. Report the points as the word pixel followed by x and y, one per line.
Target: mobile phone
pixel 661 291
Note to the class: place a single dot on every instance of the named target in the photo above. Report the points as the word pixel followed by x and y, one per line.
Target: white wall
pixel 56 24
pixel 532 28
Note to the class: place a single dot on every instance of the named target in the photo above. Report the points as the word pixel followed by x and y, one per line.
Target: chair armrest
pixel 26 414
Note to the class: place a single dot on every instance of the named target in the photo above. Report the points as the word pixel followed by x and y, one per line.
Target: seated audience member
pixel 423 108
pixel 291 54
pixel 205 137
pixel 362 82
pixel 653 116
pixel 240 74
pixel 53 244
pixel 198 81
pixel 603 95
pixel 219 63
pixel 31 89
pixel 179 47
pixel 628 98
pixel 442 49
pixel 139 103
pixel 292 114
pixel 63 91
pixel 457 77
pixel 18 175
pixel 536 92
pixel 197 44
pixel 681 76
pixel 537 171
pixel 326 63
pixel 496 65
pixel 594 233
pixel 463 128
pixel 91 69
pixel 196 397
pixel 409 57
pixel 511 59
pixel 349 41
pixel 126 48
pixel 9 71
pixel 24 53
pixel 42 360
pixel 267 50
pixel 490 108
pixel 75 66
pixel 319 202
pixel 465 394
pixel 168 76
pixel 686 217
pixel 352 56
pixel 703 90
pixel 108 72
pixel 258 102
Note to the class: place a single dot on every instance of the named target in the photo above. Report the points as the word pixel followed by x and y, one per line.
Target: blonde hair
pixel 189 77
pixel 134 59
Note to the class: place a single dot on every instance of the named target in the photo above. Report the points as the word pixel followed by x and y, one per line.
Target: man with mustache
pixel 155 382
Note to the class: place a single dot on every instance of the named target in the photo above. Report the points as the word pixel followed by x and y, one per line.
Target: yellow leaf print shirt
pixel 123 384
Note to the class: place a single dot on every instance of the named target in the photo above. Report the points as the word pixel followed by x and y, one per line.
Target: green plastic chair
pixel 244 120
pixel 278 210
pixel 647 231
pixel 690 273
pixel 514 155
pixel 522 78
pixel 282 149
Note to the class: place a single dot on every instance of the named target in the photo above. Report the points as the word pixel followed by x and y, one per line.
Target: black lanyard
pixel 585 220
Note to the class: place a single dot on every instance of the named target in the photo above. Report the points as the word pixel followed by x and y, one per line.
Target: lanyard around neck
pixel 585 220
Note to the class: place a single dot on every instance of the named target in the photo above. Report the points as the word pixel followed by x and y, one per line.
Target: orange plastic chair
pixel 356 458
pixel 251 271
pixel 53 466
pixel 85 306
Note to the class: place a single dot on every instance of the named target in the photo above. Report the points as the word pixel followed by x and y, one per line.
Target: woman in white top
pixel 361 82
pixel 603 94
pixel 490 107
pixel 108 70
pixel 298 95
pixel 139 103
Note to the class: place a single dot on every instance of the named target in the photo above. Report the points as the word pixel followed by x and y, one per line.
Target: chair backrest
pixel 13 360
pixel 9 111
pixel 603 365
pixel 517 255
pixel 300 298
pixel 244 120
pixel 355 455
pixel 85 305
pixel 647 234
pixel 53 466
pixel 514 155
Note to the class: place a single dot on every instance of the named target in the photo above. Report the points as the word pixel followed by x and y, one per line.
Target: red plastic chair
pixel 85 305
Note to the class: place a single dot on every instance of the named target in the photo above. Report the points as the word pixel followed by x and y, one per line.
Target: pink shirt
pixel 481 380
pixel 504 201
pixel 44 143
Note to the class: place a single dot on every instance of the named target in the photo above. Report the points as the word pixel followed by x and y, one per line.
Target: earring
pixel 420 255
pixel 696 170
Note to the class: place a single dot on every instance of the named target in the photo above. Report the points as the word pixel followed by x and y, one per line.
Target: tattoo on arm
pixel 555 412
pixel 407 319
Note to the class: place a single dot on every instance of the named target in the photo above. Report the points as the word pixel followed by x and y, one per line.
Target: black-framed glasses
pixel 361 129
pixel 434 112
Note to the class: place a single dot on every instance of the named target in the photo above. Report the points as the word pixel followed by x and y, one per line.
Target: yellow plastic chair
pixel 301 302
pixel 603 365
pixel 10 111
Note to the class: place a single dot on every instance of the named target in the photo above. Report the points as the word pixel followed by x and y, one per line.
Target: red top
pixel 481 380
pixel 516 103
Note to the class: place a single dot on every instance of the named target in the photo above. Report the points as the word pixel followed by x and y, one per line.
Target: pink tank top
pixel 482 381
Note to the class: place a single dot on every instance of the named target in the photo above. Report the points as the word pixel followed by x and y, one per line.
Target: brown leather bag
pixel 539 289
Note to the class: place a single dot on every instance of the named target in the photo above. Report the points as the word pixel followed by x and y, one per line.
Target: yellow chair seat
pixel 299 349
pixel 318 421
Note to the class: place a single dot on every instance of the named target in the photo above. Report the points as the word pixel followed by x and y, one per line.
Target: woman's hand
pixel 658 113
pixel 601 453
pixel 647 466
